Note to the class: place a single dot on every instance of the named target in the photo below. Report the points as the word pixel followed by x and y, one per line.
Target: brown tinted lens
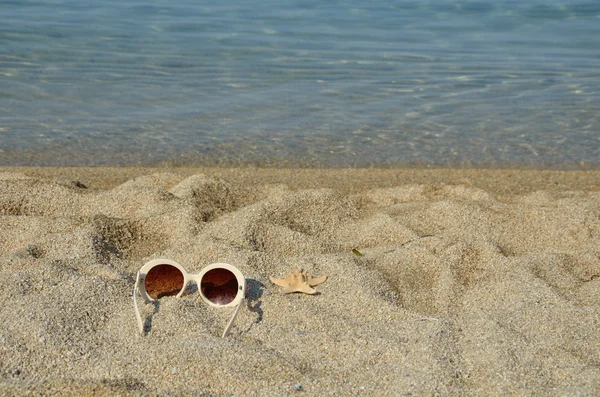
pixel 219 286
pixel 163 280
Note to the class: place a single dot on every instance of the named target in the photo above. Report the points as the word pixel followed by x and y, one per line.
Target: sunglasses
pixel 219 284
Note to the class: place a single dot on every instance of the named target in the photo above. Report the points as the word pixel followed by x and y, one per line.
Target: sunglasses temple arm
pixel 235 313
pixel 135 305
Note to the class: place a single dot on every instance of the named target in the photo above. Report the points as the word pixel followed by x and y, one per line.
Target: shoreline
pixel 497 180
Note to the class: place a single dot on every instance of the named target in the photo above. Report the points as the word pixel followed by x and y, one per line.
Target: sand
pixel 470 283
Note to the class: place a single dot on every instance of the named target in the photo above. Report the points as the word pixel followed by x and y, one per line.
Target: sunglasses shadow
pixel 148 321
pixel 254 291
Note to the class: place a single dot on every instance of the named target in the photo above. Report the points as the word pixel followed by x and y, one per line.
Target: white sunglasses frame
pixel 187 279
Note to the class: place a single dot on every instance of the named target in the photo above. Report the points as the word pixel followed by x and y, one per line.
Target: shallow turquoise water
pixel 336 83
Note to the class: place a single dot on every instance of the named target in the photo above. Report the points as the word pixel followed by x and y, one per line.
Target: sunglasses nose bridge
pixel 195 279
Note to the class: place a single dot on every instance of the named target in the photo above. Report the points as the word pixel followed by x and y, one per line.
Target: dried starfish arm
pixel 312 281
pixel 280 282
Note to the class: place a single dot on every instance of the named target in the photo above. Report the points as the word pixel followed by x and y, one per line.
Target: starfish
pixel 298 281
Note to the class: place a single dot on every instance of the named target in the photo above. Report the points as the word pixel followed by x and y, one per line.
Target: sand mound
pixel 459 290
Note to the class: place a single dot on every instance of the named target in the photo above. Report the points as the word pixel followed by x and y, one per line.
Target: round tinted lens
pixel 163 280
pixel 220 286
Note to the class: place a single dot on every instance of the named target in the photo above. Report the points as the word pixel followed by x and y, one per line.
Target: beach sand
pixel 470 283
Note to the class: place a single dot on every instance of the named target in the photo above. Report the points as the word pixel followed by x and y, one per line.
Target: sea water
pixel 318 83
